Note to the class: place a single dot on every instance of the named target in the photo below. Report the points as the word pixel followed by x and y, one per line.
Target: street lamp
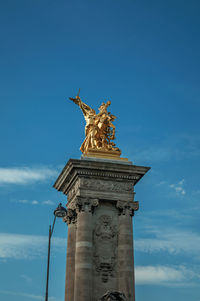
pixel 58 212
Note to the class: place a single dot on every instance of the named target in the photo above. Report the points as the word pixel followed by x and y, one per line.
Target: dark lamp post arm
pixel 53 225
pixel 48 258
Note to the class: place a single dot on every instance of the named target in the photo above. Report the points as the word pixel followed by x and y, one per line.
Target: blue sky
pixel 144 57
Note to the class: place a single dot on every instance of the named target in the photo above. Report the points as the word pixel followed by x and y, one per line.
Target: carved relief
pixel 102 185
pixel 126 208
pixel 107 185
pixel 105 241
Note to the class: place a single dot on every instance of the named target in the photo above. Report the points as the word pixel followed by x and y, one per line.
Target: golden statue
pixel 99 131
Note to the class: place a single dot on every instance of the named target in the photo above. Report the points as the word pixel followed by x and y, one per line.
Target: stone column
pixel 126 281
pixel 100 245
pixel 83 289
pixel 70 219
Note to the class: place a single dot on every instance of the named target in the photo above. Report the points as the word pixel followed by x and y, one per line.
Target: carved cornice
pixel 76 169
pixel 127 208
pixel 104 174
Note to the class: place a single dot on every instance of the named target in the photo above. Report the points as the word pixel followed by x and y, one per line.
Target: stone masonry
pixel 100 208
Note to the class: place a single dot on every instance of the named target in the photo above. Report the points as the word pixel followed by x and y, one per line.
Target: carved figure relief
pixel 105 241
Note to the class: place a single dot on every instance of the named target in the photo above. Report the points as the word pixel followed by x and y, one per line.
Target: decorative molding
pixel 105 242
pixel 127 208
pixel 105 174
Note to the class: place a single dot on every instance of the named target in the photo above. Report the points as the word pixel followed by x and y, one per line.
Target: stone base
pixel 95 153
pixel 106 160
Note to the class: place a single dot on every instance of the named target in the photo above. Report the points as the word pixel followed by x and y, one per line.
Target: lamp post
pixel 58 212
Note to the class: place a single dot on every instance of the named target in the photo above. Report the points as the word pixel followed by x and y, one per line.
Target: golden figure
pixel 99 131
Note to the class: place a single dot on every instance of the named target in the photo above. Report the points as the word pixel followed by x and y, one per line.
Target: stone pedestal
pixel 100 233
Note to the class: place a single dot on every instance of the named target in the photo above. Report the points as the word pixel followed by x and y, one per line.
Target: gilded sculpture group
pixel 99 129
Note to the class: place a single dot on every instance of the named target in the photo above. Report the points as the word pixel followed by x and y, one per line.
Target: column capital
pixel 82 204
pixel 127 208
pixel 71 217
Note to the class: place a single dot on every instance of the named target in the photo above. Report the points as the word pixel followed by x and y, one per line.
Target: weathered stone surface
pixel 100 234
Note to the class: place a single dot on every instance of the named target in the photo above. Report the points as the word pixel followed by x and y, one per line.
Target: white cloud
pixel 34 202
pixel 164 275
pixel 30 296
pixel 19 246
pixel 25 175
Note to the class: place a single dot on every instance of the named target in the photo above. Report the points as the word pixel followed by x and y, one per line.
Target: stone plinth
pixel 100 233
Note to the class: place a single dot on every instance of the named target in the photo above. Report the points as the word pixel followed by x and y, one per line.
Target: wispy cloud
pixel 26 175
pixel 179 146
pixel 166 232
pixel 19 246
pixel 152 154
pixel 165 275
pixel 35 202
pixel 173 215
pixel 30 296
pixel 178 187
pixel 161 183
pixel 171 240
pixel 23 201
pixel 26 278
pixel 48 202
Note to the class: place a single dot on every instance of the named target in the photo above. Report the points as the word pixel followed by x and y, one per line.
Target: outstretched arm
pixel 84 107
pixel 76 100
